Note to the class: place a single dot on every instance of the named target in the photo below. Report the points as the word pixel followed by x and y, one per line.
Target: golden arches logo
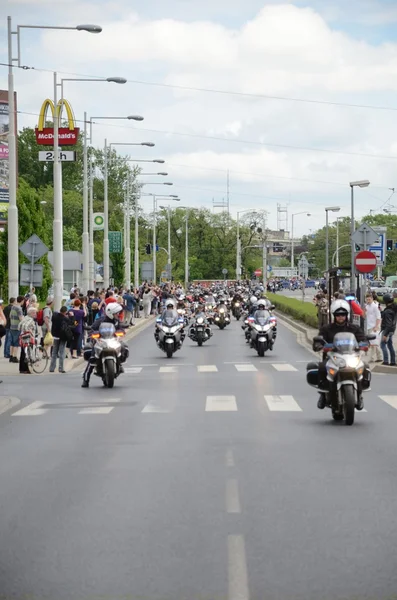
pixel 62 104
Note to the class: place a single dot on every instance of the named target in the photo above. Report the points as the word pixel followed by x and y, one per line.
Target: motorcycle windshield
pixel 170 318
pixel 345 343
pixel 106 330
pixel 261 317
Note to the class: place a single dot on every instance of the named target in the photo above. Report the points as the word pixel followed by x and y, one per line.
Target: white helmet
pixel 170 302
pixel 340 307
pixel 113 309
pixel 253 299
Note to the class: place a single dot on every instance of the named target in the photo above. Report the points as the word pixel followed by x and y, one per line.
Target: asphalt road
pixel 222 483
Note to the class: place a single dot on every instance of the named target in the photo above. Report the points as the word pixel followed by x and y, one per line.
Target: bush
pixel 301 311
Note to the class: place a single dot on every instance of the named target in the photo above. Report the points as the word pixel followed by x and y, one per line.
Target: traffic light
pixel 389 245
pixel 148 249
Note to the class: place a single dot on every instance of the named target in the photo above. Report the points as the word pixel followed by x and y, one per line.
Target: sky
pixel 294 100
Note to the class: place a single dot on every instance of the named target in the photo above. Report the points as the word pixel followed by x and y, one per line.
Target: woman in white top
pixel 147 298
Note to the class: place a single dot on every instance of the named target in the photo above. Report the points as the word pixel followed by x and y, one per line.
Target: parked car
pixel 65 294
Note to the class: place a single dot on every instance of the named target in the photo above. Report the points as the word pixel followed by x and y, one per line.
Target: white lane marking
pixel 391 400
pixel 132 370
pixel 282 404
pixel 237 568
pixel 246 367
pixel 154 408
pixel 31 410
pixel 221 403
pixel 149 365
pixel 229 459
pixel 232 497
pixel 96 410
pixel 280 367
pixel 168 370
pixel 207 368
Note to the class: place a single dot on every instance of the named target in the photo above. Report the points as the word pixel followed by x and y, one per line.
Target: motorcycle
pixel 237 310
pixel 200 332
pixel 221 317
pixel 169 333
pixel 346 374
pixel 107 353
pixel 262 326
pixel 183 313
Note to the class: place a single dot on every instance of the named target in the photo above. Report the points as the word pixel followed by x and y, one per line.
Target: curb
pixel 8 402
pixel 383 369
pixel 141 326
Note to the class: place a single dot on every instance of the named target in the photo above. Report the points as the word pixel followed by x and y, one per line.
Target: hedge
pixel 301 311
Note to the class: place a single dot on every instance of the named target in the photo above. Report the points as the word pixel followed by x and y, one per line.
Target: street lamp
pixel 337 241
pixel 88 238
pixel 156 160
pixel 292 233
pixel 327 210
pixel 13 230
pixel 362 184
pixel 168 209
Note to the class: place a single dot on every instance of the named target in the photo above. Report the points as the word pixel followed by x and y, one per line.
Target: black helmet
pixel 388 299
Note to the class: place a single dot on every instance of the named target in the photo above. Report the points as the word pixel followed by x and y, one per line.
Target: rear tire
pixel 40 364
pixel 349 403
pixel 109 374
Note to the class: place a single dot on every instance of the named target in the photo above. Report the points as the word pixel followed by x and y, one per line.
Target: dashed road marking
pixel 207 368
pixel 96 410
pixel 282 404
pixel 237 568
pixel 221 404
pixel 31 410
pixel 245 368
pixel 283 367
pixel 232 497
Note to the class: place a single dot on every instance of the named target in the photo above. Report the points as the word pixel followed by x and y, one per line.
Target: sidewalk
pixel 310 332
pixel 7 368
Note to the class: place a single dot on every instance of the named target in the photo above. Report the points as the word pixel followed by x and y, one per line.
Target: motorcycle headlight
pixel 237 304
pixel 200 320
pixel 113 343
pixel 352 361
pixel 216 318
pixel 221 310
pixel 174 329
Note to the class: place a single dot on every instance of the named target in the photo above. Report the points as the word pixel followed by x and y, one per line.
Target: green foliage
pixel 301 311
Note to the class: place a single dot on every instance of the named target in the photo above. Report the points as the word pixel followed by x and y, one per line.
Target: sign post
pixel 34 248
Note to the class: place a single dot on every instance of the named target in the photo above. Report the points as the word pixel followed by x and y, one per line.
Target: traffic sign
pixel 365 236
pixel 64 155
pixel 224 271
pixel 258 272
pixel 365 261
pixel 31 275
pixel 34 248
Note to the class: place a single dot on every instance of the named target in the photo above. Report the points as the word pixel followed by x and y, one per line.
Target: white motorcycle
pixel 107 353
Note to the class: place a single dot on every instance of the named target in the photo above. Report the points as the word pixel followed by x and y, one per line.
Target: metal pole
pixel 326 244
pixel 169 239
pixel 154 242
pixel 58 222
pixel 13 275
pixel 86 247
pixel 125 237
pixel 353 277
pixel 292 242
pixel 136 252
pixel 106 222
pixel 32 259
pixel 337 243
pixel 128 265
pixel 264 264
pixel 91 247
pixel 238 251
pixel 187 252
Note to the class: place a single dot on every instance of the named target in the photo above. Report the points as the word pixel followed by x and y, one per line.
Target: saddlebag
pixel 312 374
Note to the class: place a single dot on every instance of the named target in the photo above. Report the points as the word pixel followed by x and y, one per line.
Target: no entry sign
pixel 258 272
pixel 365 261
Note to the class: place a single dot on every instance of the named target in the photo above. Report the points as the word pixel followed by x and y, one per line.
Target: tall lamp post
pixel 238 244
pixel 327 210
pixel 292 234
pixel 362 184
pixel 13 229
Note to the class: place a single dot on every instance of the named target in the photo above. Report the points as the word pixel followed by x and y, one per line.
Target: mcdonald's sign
pixel 68 136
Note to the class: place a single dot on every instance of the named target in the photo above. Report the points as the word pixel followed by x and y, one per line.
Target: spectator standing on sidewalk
pixel 28 324
pixel 137 303
pixel 76 316
pixel 47 316
pixel 129 303
pixel 16 317
pixel 62 333
pixel 3 322
pixel 147 298
pixel 388 327
pixel 374 320
pixel 7 342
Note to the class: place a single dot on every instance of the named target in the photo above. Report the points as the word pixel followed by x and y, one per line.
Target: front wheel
pixel 108 378
pixel 200 338
pixel 221 325
pixel 37 358
pixel 170 351
pixel 349 403
pixel 261 349
pixel 337 416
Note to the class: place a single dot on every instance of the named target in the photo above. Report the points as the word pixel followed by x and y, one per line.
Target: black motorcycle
pixel 200 331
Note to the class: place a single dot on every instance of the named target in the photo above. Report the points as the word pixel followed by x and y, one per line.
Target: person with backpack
pixel 77 315
pixel 61 330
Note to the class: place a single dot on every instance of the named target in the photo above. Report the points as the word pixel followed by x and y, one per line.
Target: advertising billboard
pixel 68 136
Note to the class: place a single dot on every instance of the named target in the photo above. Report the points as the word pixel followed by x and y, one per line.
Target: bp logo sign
pixel 99 221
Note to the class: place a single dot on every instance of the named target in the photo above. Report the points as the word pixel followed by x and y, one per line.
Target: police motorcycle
pixel 262 328
pixel 251 307
pixel 200 331
pixel 346 374
pixel 107 352
pixel 221 317
pixel 169 333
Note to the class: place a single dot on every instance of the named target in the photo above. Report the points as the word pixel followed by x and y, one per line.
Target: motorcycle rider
pixel 200 312
pixel 253 305
pixel 170 310
pixel 340 310
pixel 112 315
